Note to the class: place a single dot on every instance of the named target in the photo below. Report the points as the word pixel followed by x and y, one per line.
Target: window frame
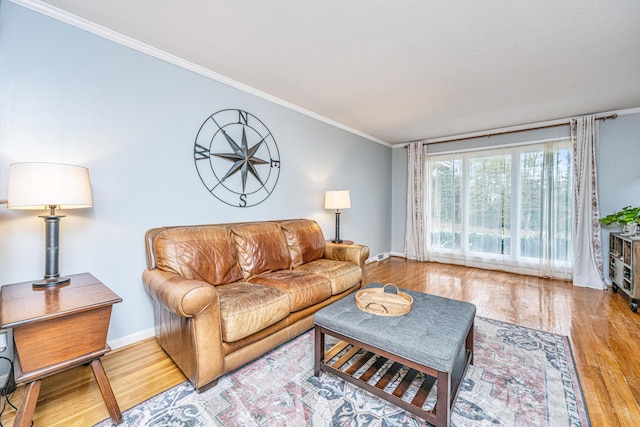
pixel 515 260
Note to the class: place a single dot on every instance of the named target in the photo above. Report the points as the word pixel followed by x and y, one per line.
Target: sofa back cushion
pixel 202 253
pixel 304 239
pixel 261 247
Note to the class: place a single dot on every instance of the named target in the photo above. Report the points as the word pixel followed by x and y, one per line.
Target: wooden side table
pixel 56 329
pixel 344 242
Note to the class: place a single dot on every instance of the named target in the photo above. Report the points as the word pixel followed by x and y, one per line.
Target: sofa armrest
pixel 188 326
pixel 183 297
pixel 355 253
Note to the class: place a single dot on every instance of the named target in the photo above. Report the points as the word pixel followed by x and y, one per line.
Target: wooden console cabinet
pixel 624 266
pixel 55 329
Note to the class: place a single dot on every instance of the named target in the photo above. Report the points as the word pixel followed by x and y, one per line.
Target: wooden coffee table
pixel 434 339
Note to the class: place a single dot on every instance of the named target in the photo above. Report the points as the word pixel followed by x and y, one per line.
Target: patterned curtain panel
pixel 415 245
pixel 587 249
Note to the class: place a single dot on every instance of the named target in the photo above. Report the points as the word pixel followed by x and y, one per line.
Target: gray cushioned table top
pixel 431 334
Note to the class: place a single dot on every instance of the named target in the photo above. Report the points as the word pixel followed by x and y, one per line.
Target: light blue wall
pixel 618 169
pixel 69 96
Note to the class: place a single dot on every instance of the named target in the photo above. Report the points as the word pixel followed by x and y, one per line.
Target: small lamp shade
pixel 40 185
pixel 337 199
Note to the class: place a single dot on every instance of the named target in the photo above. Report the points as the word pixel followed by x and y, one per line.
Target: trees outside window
pixel 509 208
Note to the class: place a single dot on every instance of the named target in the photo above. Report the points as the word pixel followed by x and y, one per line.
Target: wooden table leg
pixel 470 340
pixel 28 406
pixel 443 403
pixel 107 392
pixel 319 353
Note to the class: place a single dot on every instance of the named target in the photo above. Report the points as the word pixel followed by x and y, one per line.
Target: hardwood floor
pixel 604 334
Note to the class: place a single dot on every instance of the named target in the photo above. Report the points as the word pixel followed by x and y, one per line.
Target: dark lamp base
pixel 49 282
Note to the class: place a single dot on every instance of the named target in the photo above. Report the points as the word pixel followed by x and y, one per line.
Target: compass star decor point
pixel 243 174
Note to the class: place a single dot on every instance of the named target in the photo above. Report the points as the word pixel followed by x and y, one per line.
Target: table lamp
pixel 337 200
pixel 49 186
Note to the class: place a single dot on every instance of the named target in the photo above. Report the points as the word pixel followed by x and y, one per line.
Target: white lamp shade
pixel 337 199
pixel 39 185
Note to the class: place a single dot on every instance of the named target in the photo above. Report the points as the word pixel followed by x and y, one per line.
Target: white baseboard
pixel 379 257
pixel 382 256
pixel 132 339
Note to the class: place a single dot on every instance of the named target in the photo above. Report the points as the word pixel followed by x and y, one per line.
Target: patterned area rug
pixel 520 377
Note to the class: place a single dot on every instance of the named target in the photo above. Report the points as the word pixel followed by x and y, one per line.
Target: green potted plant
pixel 627 217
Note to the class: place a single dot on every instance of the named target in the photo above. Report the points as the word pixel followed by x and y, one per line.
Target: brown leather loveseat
pixel 225 294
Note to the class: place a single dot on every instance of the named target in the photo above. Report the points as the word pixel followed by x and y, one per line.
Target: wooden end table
pixel 343 242
pixel 55 329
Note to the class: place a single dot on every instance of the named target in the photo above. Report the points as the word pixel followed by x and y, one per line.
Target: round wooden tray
pixel 381 302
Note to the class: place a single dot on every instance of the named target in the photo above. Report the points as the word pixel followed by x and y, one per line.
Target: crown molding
pixel 92 27
pixel 624 112
pixel 525 127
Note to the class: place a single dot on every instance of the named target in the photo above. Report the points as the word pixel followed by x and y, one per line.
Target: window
pixel 507 208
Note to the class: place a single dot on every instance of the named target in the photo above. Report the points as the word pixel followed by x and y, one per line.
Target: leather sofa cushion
pixel 304 239
pixel 341 274
pixel 202 253
pixel 246 308
pixel 261 247
pixel 304 289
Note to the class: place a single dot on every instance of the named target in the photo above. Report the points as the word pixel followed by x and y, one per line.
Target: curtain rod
pixel 489 135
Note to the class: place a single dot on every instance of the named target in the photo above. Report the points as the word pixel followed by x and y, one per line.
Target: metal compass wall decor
pixel 237 158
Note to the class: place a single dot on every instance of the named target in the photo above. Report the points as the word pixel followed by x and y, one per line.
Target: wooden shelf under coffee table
pixel 435 339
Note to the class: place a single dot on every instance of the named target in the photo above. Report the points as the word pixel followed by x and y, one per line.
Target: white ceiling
pixel 401 70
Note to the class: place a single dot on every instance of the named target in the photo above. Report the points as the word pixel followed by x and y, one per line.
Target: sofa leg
pixel 207 386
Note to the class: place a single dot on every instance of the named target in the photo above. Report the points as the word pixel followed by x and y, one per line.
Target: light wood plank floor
pixel 604 334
